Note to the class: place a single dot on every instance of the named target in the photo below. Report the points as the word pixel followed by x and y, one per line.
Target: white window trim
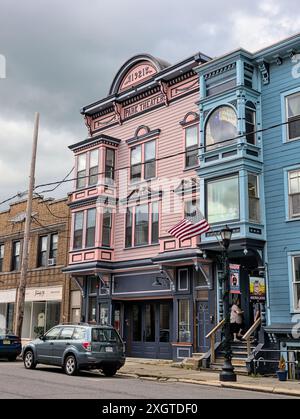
pixel 291 270
pixel 179 272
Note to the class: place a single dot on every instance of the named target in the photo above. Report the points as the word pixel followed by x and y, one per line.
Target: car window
pixel 66 333
pixel 105 335
pixel 53 333
pixel 79 333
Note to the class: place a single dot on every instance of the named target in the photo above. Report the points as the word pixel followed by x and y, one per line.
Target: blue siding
pixel 282 236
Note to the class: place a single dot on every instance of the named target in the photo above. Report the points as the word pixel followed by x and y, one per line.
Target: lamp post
pixel 227 373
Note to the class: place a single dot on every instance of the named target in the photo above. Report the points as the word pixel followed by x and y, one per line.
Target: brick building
pixel 47 300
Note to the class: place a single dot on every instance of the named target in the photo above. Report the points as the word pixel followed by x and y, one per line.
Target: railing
pixel 249 333
pixel 262 360
pixel 212 336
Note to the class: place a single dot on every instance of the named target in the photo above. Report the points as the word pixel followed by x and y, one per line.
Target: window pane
pixel 53 246
pixel 183 280
pixel 150 169
pixel 109 164
pixel 150 150
pixel 81 169
pixel 293 102
pixel 254 208
pixel 223 200
pixel 52 314
pixel 191 136
pixel 94 158
pixel 92 309
pixel 155 222
pixel 221 126
pixel 136 172
pixel 190 208
pixel 164 323
pixel 294 129
pixel 1 257
pixel 150 322
pixel 136 155
pixel 93 176
pixel 128 238
pixel 296 280
pixel 103 310
pixel 141 225
pixel 184 331
pixel 91 228
pixel 250 126
pixel 191 158
pixel 136 323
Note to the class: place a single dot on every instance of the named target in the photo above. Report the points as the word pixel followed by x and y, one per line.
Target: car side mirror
pixel 42 337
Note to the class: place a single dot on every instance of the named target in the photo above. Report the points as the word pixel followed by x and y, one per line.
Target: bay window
pixel 81 170
pixel 253 196
pixel 223 200
pixel 221 127
pixel 78 230
pixel 91 227
pixel 294 193
pixel 293 116
pixel 191 146
pixel 296 282
pixel 93 169
pixel 106 227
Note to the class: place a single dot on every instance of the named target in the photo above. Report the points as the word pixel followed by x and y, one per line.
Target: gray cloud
pixel 62 55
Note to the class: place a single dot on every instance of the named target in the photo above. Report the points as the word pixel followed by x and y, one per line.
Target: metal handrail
pixel 212 336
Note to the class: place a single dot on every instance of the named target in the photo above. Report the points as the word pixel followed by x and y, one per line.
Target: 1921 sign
pixel 137 75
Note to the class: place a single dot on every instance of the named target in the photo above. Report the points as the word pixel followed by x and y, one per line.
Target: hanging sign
pixel 257 288
pixel 234 278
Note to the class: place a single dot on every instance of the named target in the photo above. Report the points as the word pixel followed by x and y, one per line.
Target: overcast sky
pixel 62 55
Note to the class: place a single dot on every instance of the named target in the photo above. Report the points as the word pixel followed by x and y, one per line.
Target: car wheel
pixel 29 361
pixel 12 358
pixel 109 371
pixel 70 365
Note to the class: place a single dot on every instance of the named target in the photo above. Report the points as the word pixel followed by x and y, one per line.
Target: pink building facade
pixel 136 178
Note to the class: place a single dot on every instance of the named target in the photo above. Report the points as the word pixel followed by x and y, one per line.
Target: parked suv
pixel 77 347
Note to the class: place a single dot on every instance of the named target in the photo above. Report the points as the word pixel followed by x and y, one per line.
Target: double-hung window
pixel 191 146
pixel 47 251
pixel 142 225
pixel 106 227
pixel 81 170
pixel 294 193
pixel 109 165
pixel 293 116
pixel 94 168
pixel 1 257
pixel 253 195
pixel 141 236
pixel 250 122
pixel 90 228
pixel 16 256
pixel 223 199
pixel 78 230
pixel 296 281
pixel 143 161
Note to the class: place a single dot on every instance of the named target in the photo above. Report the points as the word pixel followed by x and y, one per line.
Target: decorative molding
pixel 219 71
pixel 164 90
pixel 194 118
pixel 118 112
pixel 264 71
pixel 92 141
pixel 88 123
pixel 147 136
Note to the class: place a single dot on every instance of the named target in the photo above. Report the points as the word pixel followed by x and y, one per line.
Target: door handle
pixel 51 343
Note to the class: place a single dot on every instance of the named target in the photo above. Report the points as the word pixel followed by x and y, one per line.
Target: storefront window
pixel 104 314
pixel 52 314
pixel 184 322
pixel 223 200
pixel 3 308
pixel 92 317
pixel 150 322
pixel 39 317
pixel 26 328
pixel 164 322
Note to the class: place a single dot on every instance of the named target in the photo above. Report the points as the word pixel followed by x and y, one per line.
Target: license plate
pixel 6 342
pixel 109 349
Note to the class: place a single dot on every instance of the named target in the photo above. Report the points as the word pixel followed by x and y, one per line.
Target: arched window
pixel 221 126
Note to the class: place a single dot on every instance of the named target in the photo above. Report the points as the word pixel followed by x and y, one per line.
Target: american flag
pixel 190 227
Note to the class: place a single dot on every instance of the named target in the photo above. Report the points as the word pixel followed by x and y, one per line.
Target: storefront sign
pixel 234 279
pixel 8 296
pixel 257 288
pixel 143 106
pixel 44 294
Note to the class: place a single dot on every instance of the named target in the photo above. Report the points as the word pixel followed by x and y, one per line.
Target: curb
pixel 236 386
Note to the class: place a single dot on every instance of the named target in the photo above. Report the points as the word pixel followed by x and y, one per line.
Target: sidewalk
pixel 166 371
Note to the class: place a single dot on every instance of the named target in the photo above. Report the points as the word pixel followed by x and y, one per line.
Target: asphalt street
pixel 51 383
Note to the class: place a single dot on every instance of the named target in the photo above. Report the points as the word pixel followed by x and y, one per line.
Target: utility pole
pixel 25 252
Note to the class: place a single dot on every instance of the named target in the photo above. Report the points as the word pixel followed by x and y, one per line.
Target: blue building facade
pixel 250 180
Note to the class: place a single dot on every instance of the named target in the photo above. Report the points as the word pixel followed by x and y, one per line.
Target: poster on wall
pixel 257 288
pixel 234 279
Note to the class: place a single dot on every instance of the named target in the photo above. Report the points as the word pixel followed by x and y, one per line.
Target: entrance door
pixel 148 330
pixel 203 326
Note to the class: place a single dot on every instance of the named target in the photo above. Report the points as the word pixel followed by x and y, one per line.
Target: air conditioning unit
pixel 52 262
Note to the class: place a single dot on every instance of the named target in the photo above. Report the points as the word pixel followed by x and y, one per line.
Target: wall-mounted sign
pixel 43 294
pixel 144 105
pixel 257 288
pixel 234 278
pixel 137 75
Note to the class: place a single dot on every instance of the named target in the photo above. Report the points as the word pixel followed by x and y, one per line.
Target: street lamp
pixel 227 373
